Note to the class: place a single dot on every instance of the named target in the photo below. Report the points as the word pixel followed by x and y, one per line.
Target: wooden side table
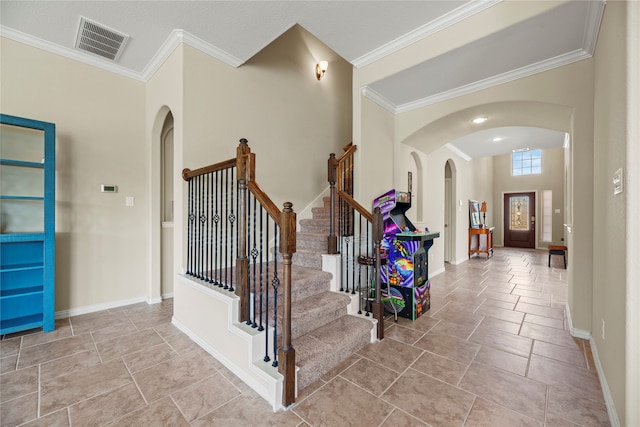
pixel 478 244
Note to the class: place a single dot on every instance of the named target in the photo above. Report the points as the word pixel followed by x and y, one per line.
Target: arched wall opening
pixel 162 124
pixel 418 192
pixel 449 212
pixel 473 178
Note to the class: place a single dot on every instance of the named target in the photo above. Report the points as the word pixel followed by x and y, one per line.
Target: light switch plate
pixel 129 201
pixel 618 184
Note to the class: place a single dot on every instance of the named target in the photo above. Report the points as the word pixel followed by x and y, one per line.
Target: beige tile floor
pixel 494 350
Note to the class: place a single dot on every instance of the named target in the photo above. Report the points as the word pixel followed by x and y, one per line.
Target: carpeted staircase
pixel 323 334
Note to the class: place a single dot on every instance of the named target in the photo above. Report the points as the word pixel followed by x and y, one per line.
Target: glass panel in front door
pixel 519 213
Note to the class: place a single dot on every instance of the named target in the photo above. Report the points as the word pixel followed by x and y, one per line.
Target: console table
pixel 481 241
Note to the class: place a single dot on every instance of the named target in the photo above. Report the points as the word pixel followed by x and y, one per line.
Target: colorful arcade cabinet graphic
pixel 404 277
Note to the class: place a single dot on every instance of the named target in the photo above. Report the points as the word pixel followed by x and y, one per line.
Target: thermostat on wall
pixel 109 188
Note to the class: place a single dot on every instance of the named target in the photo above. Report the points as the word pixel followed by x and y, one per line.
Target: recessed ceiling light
pixel 497 139
pixel 518 150
pixel 479 120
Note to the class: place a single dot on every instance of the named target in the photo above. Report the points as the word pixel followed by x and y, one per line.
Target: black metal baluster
pixel 347 242
pixel 341 234
pixel 220 224
pixel 198 226
pixel 369 270
pixel 254 256
pixel 266 336
pixel 261 327
pixel 190 230
pixel 352 260
pixel 227 264
pixel 232 219
pixel 359 265
pixel 214 229
pixel 207 242
pixel 276 285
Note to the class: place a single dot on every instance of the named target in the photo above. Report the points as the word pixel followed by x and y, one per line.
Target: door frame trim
pixel 536 192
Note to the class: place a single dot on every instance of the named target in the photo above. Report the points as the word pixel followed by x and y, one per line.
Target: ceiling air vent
pixel 100 40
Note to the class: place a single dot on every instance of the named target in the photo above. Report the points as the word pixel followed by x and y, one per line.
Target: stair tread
pixel 312 312
pixel 324 348
pixel 330 334
pixel 314 303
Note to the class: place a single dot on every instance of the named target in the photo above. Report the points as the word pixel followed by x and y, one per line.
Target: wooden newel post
pixel 286 353
pixel 377 227
pixel 332 170
pixel 242 262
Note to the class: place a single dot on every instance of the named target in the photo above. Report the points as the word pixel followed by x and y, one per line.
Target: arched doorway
pixel 161 146
pixel 449 212
pixel 419 189
pixel 167 203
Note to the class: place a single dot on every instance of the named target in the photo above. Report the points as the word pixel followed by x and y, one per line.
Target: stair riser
pixel 308 259
pixel 323 214
pixel 314 228
pixel 313 242
pixel 327 347
pixel 304 324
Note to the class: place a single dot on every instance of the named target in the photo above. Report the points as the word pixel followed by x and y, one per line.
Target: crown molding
pixel 162 54
pixel 70 53
pixel 594 18
pixel 376 97
pixel 175 38
pixel 509 76
pixel 457 151
pixel 210 49
pixel 463 12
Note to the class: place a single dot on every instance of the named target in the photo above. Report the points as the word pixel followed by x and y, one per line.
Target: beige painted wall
pixel 109 254
pixel 610 231
pixel 563 100
pixel 632 299
pixel 292 120
pixel 101 252
pixel 560 99
pixel 552 178
pixel 164 94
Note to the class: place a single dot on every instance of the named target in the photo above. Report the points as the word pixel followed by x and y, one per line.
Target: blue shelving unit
pixel 27 224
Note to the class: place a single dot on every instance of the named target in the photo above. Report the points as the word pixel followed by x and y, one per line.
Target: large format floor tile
pixel 494 350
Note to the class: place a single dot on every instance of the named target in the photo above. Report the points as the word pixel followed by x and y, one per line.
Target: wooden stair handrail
pixel 335 171
pixel 355 205
pixel 187 173
pixel 244 162
pixel 265 201
pixel 349 149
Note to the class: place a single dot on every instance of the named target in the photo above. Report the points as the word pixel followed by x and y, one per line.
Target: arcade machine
pixel 404 277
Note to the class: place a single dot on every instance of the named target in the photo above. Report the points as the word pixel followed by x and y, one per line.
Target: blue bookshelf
pixel 27 224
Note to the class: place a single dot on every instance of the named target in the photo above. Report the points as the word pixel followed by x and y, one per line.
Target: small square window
pixel 526 163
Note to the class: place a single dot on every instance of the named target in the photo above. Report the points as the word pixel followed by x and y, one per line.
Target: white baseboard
pixel 63 314
pixel 436 272
pixel 306 213
pixel 575 332
pixel 209 317
pixel 608 399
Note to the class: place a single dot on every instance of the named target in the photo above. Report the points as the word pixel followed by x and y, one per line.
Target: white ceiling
pixel 500 140
pixel 358 31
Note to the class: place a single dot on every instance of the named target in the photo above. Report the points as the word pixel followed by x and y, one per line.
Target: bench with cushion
pixel 558 250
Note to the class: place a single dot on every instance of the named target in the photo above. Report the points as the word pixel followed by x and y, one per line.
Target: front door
pixel 520 220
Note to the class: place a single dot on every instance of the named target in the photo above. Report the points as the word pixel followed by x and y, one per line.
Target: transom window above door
pixel 526 163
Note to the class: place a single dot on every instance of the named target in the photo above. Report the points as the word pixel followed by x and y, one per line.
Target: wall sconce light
pixel 321 68
pixel 483 209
